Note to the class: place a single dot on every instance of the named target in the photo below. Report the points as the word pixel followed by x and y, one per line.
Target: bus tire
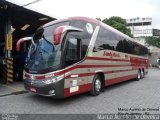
pixel 142 73
pixel 138 75
pixel 96 85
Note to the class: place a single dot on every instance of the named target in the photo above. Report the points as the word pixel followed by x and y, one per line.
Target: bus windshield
pixel 43 54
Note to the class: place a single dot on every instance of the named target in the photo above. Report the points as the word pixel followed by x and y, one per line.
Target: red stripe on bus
pixel 86 66
pixel 81 89
pixel 91 66
pixel 119 79
pixel 81 75
pixel 93 73
pixel 115 71
pixel 98 58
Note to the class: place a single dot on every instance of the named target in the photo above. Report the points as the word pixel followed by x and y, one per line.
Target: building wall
pixel 139 31
pixel 140 26
pixel 153 58
pixel 141 40
pixel 155 54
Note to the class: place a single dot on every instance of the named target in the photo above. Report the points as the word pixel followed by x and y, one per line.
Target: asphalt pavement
pixel 130 96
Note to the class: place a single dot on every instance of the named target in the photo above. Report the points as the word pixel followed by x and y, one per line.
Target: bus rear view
pixel 64 59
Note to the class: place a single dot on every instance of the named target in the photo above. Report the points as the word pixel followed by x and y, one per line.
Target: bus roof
pixel 97 22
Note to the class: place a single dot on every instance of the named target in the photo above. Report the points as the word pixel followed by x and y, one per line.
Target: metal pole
pixel 8 29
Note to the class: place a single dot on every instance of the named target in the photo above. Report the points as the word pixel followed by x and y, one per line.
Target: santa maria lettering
pixel 110 54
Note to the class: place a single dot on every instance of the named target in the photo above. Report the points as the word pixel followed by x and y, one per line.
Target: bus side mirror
pixel 60 30
pixel 57 35
pixel 18 44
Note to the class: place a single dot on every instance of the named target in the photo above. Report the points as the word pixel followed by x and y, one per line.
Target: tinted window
pixel 73 48
pixel 85 35
pixel 108 40
pixel 134 48
pixel 47 32
pixel 128 46
pixel 140 50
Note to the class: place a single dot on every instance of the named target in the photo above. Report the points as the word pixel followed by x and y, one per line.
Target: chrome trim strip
pixel 74 76
pixel 92 41
pixel 41 94
pixel 98 71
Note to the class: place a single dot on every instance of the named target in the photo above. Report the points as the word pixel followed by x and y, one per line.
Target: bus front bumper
pixel 55 90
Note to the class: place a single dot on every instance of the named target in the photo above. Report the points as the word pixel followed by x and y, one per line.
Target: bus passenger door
pixel 72 65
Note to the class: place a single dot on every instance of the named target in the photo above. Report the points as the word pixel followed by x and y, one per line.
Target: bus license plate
pixel 33 89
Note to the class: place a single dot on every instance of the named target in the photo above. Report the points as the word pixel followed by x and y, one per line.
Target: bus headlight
pixel 53 80
pixel 49 81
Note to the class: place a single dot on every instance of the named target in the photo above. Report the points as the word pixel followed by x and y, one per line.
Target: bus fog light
pixel 51 92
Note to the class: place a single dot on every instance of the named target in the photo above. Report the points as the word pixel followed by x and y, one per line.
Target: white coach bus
pixel 76 55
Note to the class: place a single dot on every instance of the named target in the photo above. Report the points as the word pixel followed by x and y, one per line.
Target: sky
pixel 99 8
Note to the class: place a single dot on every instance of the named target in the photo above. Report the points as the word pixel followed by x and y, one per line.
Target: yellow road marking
pixel 12 88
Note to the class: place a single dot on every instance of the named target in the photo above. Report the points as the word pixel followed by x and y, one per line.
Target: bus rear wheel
pixel 138 75
pixel 142 74
pixel 96 85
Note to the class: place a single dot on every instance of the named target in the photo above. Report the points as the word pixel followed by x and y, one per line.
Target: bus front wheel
pixel 96 85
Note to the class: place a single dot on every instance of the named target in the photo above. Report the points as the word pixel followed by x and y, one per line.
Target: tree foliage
pixel 154 41
pixel 119 24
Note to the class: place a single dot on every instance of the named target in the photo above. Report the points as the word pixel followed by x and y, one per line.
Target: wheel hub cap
pixel 98 85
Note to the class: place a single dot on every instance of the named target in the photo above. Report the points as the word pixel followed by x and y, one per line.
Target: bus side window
pixel 106 40
pixel 73 51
